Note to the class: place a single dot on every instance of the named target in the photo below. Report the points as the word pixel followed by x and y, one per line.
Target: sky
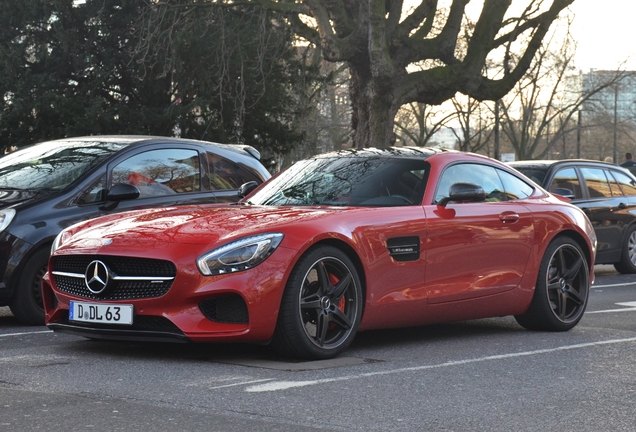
pixel 605 31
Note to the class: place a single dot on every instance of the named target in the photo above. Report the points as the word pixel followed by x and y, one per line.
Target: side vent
pixel 230 309
pixel 404 248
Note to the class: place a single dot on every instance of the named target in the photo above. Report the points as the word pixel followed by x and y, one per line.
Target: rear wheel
pixel 562 289
pixel 26 303
pixel 321 307
pixel 627 264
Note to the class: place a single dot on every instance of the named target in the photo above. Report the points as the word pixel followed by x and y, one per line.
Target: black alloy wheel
pixel 627 263
pixel 26 303
pixel 562 289
pixel 321 307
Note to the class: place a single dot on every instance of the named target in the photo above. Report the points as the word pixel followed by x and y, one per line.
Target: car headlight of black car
pixel 6 216
pixel 239 255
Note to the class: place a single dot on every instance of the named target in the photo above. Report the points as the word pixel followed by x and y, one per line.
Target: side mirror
pixel 122 191
pixel 247 188
pixel 567 193
pixel 466 192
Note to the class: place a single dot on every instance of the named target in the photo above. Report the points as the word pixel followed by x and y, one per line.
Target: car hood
pixel 9 197
pixel 196 225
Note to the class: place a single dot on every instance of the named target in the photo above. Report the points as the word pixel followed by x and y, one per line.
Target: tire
pixel 627 264
pixel 562 289
pixel 26 302
pixel 321 306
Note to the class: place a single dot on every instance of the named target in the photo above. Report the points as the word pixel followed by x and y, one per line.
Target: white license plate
pixel 100 313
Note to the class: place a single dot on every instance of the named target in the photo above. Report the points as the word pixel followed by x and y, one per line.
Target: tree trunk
pixel 373 110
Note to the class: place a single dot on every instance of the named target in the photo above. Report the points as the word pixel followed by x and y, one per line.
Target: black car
pixel 607 195
pixel 46 187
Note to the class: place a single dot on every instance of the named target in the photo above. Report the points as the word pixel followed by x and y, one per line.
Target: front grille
pixel 229 309
pixel 119 266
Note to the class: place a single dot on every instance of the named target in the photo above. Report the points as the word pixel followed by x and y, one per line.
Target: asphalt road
pixel 468 376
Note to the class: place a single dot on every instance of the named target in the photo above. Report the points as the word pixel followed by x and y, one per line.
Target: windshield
pixel 534 172
pixel 52 165
pixel 347 181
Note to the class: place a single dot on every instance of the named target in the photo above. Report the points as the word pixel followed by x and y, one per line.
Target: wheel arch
pixel 583 244
pixel 352 255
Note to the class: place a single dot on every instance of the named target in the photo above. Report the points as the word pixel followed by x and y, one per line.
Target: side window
pixel 482 175
pixel 224 174
pixel 95 193
pixel 566 178
pixel 626 183
pixel 161 172
pixel 515 188
pixel 597 183
pixel 614 187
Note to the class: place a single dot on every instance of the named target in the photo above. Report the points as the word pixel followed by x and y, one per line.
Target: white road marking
pixel 284 385
pixel 629 307
pixel 26 333
pixel 613 285
pixel 240 383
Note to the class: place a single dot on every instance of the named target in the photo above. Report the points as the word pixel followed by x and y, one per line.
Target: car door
pixel 475 249
pixel 607 208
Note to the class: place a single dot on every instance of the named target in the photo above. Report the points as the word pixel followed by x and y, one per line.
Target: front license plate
pixel 100 313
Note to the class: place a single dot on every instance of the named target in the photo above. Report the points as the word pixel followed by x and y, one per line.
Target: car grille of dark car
pixel 121 266
pixel 230 309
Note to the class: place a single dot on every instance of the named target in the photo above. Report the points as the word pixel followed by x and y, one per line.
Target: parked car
pixel 607 195
pixel 49 186
pixel 347 241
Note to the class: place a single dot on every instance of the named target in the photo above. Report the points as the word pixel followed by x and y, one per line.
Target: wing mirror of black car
pixel 464 192
pixel 567 193
pixel 246 188
pixel 122 192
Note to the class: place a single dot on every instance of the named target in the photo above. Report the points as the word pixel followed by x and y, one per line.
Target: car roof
pixel 391 152
pixel 547 163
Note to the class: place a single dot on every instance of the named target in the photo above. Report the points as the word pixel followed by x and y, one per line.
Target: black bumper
pixel 119 334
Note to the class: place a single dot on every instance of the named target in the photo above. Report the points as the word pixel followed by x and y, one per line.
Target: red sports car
pixel 339 243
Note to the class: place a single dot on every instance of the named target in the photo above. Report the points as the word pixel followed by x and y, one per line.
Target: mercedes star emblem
pixel 97 277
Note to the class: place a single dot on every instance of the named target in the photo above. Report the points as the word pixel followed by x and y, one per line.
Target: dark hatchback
pixel 49 186
pixel 607 195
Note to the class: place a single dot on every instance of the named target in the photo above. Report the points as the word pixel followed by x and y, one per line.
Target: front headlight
pixel 59 240
pixel 239 255
pixel 6 216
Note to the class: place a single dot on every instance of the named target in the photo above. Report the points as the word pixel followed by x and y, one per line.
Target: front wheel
pixel 562 289
pixel 627 264
pixel 321 306
pixel 26 303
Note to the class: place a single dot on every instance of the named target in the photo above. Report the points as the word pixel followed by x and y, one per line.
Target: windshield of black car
pixel 53 165
pixel 347 181
pixel 534 172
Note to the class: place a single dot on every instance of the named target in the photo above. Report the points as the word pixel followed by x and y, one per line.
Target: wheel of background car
pixel 321 306
pixel 627 264
pixel 26 303
pixel 562 288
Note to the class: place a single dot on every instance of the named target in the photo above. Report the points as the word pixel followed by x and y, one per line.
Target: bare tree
pixel 540 112
pixel 417 123
pixel 380 41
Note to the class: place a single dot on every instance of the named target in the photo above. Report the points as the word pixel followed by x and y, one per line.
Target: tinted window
pixel 514 187
pixel 614 187
pixel 566 178
pixel 224 174
pixel 626 183
pixel 481 175
pixel 95 193
pixel 597 184
pixel 161 172
pixel 535 173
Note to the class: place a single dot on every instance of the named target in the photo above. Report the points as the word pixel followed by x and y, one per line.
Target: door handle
pixel 509 217
pixel 622 206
